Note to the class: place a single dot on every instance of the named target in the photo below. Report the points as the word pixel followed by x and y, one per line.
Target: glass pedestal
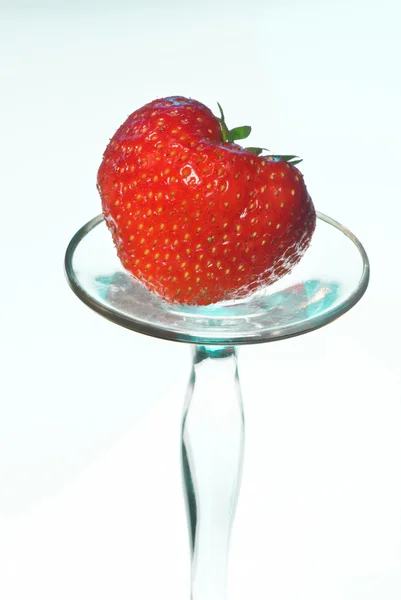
pixel 329 281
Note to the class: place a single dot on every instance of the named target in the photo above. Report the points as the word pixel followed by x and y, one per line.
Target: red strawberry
pixel 195 217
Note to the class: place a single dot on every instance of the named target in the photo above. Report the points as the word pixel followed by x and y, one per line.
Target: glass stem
pixel 212 456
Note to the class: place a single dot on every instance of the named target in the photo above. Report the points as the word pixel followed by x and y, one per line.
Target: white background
pixel 90 491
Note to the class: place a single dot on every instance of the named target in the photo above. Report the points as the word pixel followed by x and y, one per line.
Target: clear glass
pixel 212 456
pixel 330 279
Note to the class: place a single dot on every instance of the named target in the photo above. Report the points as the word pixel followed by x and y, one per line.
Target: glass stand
pixel 212 455
pixel 331 279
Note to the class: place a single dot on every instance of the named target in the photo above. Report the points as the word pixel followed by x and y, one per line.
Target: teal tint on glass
pixel 329 280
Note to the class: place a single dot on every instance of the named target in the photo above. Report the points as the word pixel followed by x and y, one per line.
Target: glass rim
pixel 153 330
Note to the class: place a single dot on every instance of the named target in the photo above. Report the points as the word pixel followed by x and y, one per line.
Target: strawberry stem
pixel 240 133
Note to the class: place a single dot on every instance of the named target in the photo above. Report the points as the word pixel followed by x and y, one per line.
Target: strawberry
pixel 195 217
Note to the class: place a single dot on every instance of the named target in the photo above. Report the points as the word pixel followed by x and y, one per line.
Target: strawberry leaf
pixel 287 158
pixel 256 151
pixel 225 134
pixel 222 118
pixel 239 133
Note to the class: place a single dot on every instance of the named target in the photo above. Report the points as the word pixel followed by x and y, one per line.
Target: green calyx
pixel 241 133
pixel 231 135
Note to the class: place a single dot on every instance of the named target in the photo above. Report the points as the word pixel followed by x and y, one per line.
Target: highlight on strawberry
pixel 194 216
